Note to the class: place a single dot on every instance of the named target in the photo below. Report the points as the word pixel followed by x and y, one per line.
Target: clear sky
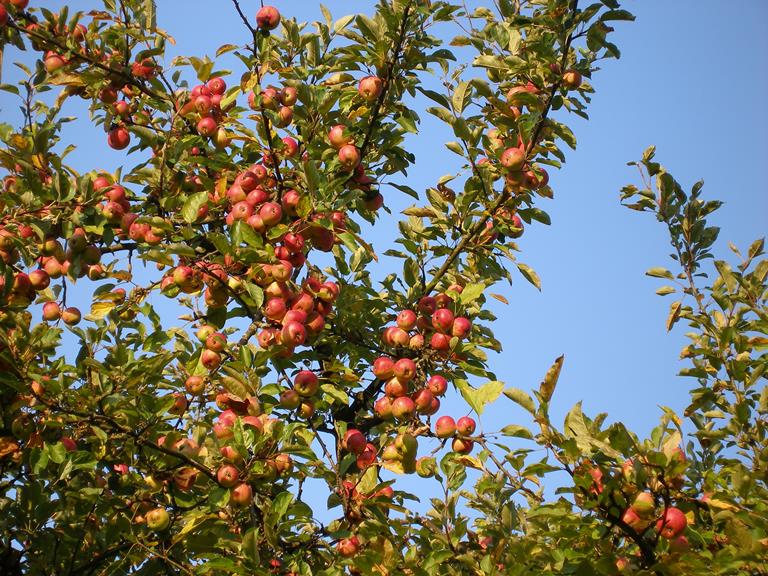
pixel 692 80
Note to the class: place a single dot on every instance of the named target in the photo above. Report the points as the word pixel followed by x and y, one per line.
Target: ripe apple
pixel 631 519
pixel 227 476
pixel 427 305
pixel 513 159
pixel 404 369
pixel 216 342
pixel 423 399
pixel 267 18
pixel 571 79
pixel 339 137
pixel 71 316
pixel 367 457
pixel 348 547
pixel 442 320
pixel 216 85
pixel 354 441
pixel 158 519
pixel 271 213
pixel 440 342
pixel 207 126
pixel 672 524
pixel 462 445
pixel 395 388
pixel 445 427
pixel 461 327
pixel 306 383
pixel 403 408
pixel 51 311
pixel 118 138
pixel 210 359
pixel 349 156
pixel 437 385
pixel 195 385
pixel 293 334
pixel 370 88
pixel 465 426
pixel 275 309
pixel 406 320
pixel 383 408
pixel 241 495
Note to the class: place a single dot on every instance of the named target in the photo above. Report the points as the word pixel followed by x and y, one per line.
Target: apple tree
pixel 246 394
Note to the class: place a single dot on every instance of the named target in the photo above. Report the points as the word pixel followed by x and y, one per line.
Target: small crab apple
pixel 403 408
pixel 461 327
pixel 207 126
pixel 216 85
pixel 462 445
pixel 267 18
pixel 367 457
pixel 51 311
pixel 241 495
pixel 445 427
pixel 404 369
pixel 118 138
pixel 571 79
pixel 437 385
pixel 210 359
pixel 354 441
pixel 348 547
pixel 442 320
pixel 195 385
pixel 71 316
pixel 406 320
pixel 370 88
pixel 227 476
pixel 339 137
pixel 383 408
pixel 672 524
pixel 440 342
pixel 216 342
pixel 349 156
pixel 465 426
pixel 306 383
pixel 512 159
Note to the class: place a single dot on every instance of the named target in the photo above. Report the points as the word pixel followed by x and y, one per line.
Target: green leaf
pixel 517 431
pixel 480 397
pixel 192 205
pixel 529 274
pixel 522 398
pixel 664 290
pixel 461 97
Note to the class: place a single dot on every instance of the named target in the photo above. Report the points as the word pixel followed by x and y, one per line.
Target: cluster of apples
pixel 296 316
pixel 300 397
pixel 205 104
pixel 400 401
pixel 281 101
pixel 459 430
pixel 651 500
pixel 432 322
pixel 355 442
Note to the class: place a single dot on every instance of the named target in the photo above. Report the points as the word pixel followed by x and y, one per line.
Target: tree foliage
pixel 242 365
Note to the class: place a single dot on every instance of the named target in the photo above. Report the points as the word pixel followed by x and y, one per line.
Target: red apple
pixel 404 369
pixel 216 342
pixel 241 495
pixel 437 385
pixel 672 523
pixel 571 79
pixel 216 85
pixel 267 18
pixel 461 327
pixel 306 383
pixel 406 320
pixel 349 156
pixel 383 408
pixel 118 138
pixel 445 427
pixel 354 441
pixel 370 88
pixel 348 547
pixel 442 320
pixel 71 316
pixel 513 159
pixel 227 476
pixel 465 426
pixel 462 445
pixel 210 359
pixel 195 385
pixel 403 408
pixel 51 311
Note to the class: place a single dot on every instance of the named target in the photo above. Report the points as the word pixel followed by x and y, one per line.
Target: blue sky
pixel 692 80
